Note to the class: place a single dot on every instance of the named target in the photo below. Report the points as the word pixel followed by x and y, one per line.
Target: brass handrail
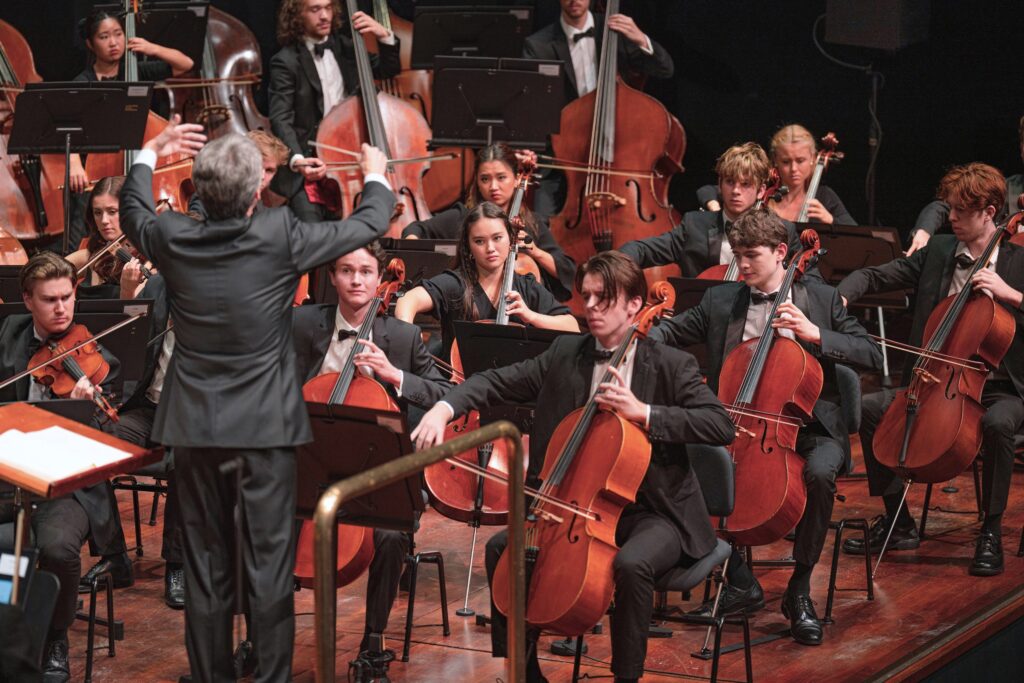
pixel 325 541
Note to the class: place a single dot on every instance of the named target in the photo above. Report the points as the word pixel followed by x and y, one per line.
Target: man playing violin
pixel 63 524
pixel 659 389
pixel 814 315
pixel 395 356
pixel 699 241
pixel 314 70
pixel 975 194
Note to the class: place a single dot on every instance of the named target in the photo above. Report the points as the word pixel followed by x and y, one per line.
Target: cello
pixel 385 122
pixel 617 185
pixel 826 154
pixel 730 272
pixel 351 388
pixel 221 99
pixel 570 537
pixel 769 385
pixel 11 251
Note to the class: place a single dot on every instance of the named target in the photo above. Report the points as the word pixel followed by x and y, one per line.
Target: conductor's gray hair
pixel 227 174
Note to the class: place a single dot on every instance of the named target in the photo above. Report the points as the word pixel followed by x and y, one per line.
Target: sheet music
pixel 55 453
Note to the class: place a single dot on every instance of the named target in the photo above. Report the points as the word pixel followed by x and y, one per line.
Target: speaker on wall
pixel 877 24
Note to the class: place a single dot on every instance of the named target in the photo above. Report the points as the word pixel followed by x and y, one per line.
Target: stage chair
pixel 412 561
pixel 159 472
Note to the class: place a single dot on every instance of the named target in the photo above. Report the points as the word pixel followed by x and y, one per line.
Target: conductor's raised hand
pixel 373 160
pixel 178 138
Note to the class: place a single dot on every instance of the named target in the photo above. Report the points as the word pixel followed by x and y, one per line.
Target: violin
pixel 769 385
pixel 109 259
pixel 773 190
pixel 616 185
pixel 348 387
pixel 826 154
pixel 84 361
pixel 594 465
pixel 932 430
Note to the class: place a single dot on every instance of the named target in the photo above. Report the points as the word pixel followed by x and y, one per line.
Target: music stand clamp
pixel 516 101
pixel 66 117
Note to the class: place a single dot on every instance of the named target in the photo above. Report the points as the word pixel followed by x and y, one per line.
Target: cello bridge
pixel 925 375
pixel 604 200
pixel 548 516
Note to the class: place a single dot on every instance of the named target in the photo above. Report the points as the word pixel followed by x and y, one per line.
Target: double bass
pixel 617 183
pixel 769 385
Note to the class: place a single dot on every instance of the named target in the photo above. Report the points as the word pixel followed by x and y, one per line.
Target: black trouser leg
pixel 824 458
pixel 1004 415
pixel 882 481
pixel 496 545
pixel 390 549
pixel 171 545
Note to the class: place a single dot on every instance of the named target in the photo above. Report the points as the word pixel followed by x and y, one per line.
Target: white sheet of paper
pixel 55 453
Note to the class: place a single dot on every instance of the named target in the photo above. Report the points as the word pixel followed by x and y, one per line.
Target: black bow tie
pixel 599 355
pixel 589 33
pixel 759 298
pixel 345 334
pixel 964 261
pixel 320 48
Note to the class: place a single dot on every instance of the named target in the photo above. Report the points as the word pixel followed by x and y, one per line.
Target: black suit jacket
pixel 683 410
pixel 422 383
pixel 550 43
pixel 722 313
pixel 297 100
pixel 231 382
pixel 930 271
pixel 694 245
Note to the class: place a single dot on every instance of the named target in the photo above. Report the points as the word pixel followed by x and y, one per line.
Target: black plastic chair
pixel 159 472
pixel 412 562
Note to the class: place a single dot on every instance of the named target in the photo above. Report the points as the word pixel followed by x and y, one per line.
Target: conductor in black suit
pixel 231 393
pixel 395 356
pixel 975 194
pixel 575 41
pixel 658 388
pixel 314 70
pixel 813 315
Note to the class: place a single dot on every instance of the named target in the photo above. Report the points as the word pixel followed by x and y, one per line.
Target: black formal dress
pixel 446 291
pixel 930 272
pixel 297 104
pixel 422 385
pixel 719 320
pixel 668 523
pixel 62 525
pixel 231 395
pixel 447 225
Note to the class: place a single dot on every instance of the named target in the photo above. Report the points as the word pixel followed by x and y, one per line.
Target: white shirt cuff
pixel 389 40
pixel 448 405
pixel 376 177
pixel 147 157
pixel 647 47
pixel 647 417
pixel 401 381
pixel 291 162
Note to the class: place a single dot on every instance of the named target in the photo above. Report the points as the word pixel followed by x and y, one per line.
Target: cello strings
pixel 934 355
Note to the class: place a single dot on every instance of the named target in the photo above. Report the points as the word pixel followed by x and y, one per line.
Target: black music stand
pixel 10 283
pixel 61 118
pixel 423 259
pixel 517 101
pixel 852 247
pixel 370 438
pixel 177 25
pixel 468 31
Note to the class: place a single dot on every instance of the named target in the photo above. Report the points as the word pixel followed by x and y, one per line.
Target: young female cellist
pixel 494 180
pixel 794 153
pixel 657 390
pixel 471 292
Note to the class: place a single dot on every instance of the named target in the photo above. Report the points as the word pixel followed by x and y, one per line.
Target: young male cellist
pixel 975 193
pixel 659 389
pixel 814 315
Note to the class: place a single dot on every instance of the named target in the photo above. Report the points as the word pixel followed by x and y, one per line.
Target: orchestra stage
pixel 927 612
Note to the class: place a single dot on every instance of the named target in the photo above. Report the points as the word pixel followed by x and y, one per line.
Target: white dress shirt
pixel 339 349
pixel 584 55
pixel 156 387
pixel 757 317
pixel 960 274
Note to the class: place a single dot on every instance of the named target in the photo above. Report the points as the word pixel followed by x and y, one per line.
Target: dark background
pixel 746 67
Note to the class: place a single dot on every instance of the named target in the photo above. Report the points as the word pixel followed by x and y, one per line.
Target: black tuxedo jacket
pixel 683 410
pixel 231 382
pixel 722 313
pixel 694 245
pixel 930 271
pixel 422 383
pixel 297 100
pixel 550 43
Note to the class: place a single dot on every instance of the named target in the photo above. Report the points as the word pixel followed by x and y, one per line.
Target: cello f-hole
pixel 569 535
pixel 418 99
pixel 632 183
pixel 765 448
pixel 406 192
pixel 949 392
pixel 573 224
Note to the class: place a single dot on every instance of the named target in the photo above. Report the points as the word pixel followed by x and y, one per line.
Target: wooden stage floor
pixel 926 609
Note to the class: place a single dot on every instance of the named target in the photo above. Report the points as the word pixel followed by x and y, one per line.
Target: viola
pixel 932 430
pixel 617 185
pixel 1016 229
pixel 826 154
pixel 769 385
pixel 85 361
pixel 593 467
pixel 221 98
pixel 730 272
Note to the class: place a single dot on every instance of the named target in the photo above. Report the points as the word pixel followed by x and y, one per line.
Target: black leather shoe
pixel 119 566
pixel 734 601
pixel 988 555
pixel 55 663
pixel 174 587
pixel 903 538
pixel 804 624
